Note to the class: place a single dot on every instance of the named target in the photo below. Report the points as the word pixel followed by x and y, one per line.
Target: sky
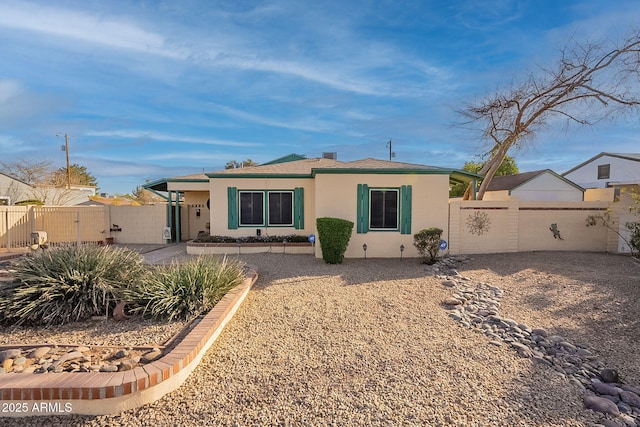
pixel 147 90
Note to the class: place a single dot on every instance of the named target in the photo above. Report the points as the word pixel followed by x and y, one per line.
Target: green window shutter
pixel 405 209
pixel 298 208
pixel 363 209
pixel 232 206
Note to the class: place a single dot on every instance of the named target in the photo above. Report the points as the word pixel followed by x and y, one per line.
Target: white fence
pixel 67 225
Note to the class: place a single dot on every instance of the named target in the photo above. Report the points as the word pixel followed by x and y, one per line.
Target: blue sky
pixel 153 89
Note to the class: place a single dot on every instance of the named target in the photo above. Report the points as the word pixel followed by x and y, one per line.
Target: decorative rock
pixel 630 398
pixel 121 354
pixel 70 356
pixel 609 375
pixel 7 364
pixel 19 361
pixel 604 388
pixel 108 368
pixel 151 355
pixel 126 365
pixel 630 388
pixel 81 349
pixel 600 404
pixel 475 306
pixel 540 332
pixel 39 352
pixel 9 354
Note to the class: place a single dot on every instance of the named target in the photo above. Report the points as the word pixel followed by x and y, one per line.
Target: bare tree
pixel 589 82
pixel 31 172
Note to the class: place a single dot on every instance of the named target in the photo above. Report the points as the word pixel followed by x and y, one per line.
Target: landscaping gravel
pixel 371 342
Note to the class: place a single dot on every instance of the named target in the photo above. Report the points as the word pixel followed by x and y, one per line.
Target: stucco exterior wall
pixel 220 207
pixel 336 196
pixel 525 226
pixel 140 224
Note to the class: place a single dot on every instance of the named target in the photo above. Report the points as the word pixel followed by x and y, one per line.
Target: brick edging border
pixel 101 393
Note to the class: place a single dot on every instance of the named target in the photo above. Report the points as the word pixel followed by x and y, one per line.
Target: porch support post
pixel 178 217
pixel 170 213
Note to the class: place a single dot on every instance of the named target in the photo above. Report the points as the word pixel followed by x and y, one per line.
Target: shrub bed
pixel 290 238
pixel 70 284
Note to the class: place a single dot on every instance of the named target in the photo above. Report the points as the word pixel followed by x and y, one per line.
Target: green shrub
pixel 183 291
pixel 65 285
pixel 290 238
pixel 634 238
pixel 427 242
pixel 334 235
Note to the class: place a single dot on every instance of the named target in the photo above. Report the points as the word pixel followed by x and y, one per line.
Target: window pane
pixel 383 210
pixel 251 208
pixel 604 171
pixel 280 208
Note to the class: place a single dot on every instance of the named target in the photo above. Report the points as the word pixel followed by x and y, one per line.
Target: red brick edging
pixel 98 393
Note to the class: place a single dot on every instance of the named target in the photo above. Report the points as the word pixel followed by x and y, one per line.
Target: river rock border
pixel 475 305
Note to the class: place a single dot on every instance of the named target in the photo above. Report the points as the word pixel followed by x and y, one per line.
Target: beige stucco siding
pixel 220 206
pixel 336 196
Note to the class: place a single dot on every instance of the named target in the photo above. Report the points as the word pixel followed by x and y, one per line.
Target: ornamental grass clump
pixel 64 285
pixel 185 290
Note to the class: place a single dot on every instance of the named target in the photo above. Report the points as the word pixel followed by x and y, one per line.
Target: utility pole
pixel 66 149
pixel 391 153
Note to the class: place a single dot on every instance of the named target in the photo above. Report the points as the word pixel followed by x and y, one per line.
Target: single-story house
pixel 13 190
pixel 387 201
pixel 606 170
pixel 541 185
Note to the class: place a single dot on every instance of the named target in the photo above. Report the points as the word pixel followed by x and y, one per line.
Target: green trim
pixel 405 209
pixel 375 171
pixel 297 200
pixel 298 208
pixel 232 207
pixel 258 175
pixel 363 209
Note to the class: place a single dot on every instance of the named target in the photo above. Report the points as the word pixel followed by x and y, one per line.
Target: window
pixel 604 171
pixel 383 209
pixel 280 208
pixel 265 208
pixel 251 208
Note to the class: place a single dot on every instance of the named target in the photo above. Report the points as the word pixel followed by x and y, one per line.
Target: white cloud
pixel 110 32
pixel 158 136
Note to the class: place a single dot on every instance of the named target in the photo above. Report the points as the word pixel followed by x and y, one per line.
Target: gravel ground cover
pixel 369 342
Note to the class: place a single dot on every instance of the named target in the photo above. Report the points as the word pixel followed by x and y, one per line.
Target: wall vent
pixel 332 156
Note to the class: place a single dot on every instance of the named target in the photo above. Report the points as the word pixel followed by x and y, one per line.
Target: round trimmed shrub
pixel 334 235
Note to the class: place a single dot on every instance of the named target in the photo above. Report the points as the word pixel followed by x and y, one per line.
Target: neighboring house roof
pixel 15 179
pixel 511 182
pixel 627 156
pixel 288 158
